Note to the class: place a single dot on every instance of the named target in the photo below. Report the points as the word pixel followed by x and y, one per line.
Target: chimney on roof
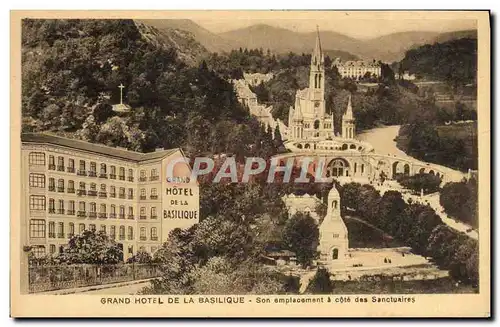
pixel 159 149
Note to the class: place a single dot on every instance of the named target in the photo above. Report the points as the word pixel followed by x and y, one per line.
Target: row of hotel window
pixel 38 159
pixel 37 202
pixel 38 181
pixel 359 69
pixel 38 230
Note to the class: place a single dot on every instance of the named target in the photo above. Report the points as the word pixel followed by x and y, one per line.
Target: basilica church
pixel 308 119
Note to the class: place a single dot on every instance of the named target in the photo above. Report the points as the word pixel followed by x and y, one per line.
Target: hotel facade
pixel 69 186
pixel 357 69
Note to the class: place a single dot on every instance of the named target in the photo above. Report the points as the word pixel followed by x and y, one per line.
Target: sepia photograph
pixel 245 158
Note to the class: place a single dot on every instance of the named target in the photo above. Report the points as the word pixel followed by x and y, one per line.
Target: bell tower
pixel 317 79
pixel 333 241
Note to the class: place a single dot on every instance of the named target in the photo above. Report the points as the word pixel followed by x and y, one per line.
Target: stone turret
pixel 348 122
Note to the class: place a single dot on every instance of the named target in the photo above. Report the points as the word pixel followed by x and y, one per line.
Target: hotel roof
pixel 100 149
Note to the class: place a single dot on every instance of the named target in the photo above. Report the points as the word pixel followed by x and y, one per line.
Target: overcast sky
pixel 355 27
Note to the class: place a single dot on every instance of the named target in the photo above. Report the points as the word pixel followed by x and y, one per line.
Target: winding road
pixel 383 141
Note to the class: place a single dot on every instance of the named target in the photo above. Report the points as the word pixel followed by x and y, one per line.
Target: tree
pixel 424 220
pixel 140 257
pixel 453 61
pixel 102 112
pixel 391 208
pixel 459 200
pixel 301 235
pixel 321 210
pixel 429 183
pixel 368 202
pixel 178 259
pixel 91 247
pixel 387 75
pixel 278 141
pixel 320 283
pixel 214 277
pixel 349 195
pixel 217 236
pixel 51 114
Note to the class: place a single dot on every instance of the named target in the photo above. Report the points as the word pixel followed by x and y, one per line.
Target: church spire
pixel 317 56
pixel 348 113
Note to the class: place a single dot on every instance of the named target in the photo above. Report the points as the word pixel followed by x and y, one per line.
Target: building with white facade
pixel 357 69
pixel 69 186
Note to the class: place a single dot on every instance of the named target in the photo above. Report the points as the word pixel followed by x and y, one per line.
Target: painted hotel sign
pixel 180 195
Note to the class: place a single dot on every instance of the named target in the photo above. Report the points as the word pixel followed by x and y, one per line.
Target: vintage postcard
pixel 250 164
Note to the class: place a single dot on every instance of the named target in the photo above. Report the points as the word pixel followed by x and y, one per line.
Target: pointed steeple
pixel 348 113
pixel 317 56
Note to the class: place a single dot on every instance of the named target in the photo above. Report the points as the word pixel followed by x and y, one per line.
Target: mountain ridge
pixel 387 48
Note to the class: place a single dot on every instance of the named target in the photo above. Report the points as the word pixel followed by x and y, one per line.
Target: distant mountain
pixel 283 40
pixel 212 42
pixel 387 48
pixel 343 55
pixel 392 47
pixel 445 37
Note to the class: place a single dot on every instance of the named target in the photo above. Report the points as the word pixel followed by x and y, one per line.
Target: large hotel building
pixel 69 186
pixel 357 69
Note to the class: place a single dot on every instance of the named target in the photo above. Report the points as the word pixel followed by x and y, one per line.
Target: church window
pixel 337 168
pixel 334 204
pixel 335 254
pixel 316 124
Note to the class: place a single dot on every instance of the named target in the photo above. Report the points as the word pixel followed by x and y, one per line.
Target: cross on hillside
pixel 121 92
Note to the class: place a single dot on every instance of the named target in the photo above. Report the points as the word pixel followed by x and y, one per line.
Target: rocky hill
pixel 185 44
pixel 211 41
